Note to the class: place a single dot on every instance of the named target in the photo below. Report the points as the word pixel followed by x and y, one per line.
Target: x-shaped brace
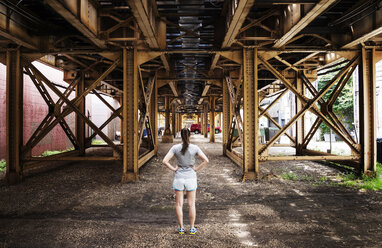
pixel 309 103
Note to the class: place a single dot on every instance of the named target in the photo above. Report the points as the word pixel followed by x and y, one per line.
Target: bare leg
pixel 179 207
pixel 191 197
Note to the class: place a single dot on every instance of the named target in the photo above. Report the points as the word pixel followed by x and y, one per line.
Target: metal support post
pixel 226 116
pixel 130 116
pixel 14 119
pixel 212 120
pixel 251 115
pixel 300 122
pixel 167 137
pixel 173 118
pixel 121 121
pixel 154 114
pixel 205 126
pixel 80 123
pixel 367 115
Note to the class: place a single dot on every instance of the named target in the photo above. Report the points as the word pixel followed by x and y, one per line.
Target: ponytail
pixel 185 134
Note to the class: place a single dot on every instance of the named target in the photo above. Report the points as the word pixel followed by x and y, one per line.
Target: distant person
pixel 185 178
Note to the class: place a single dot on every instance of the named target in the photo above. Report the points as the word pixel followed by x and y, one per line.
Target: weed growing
pixel 3 165
pixel 289 176
pixel 362 181
pixel 50 153
pixel 98 142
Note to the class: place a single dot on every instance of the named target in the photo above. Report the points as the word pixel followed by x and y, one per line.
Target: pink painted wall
pixel 35 109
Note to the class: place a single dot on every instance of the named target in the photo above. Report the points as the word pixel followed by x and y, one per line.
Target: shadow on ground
pixel 85 205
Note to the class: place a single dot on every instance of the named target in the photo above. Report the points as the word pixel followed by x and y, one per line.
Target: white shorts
pixel 181 184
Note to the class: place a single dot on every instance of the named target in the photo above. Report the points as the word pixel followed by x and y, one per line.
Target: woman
pixel 185 176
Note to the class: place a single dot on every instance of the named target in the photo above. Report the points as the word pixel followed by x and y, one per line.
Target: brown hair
pixel 185 134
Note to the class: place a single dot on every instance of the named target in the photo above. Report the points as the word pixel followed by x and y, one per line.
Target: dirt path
pixel 85 205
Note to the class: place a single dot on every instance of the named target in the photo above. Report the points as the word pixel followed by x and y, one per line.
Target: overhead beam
pixel 150 25
pixel 237 21
pixel 303 22
pixel 85 23
pixel 204 93
pixel 14 32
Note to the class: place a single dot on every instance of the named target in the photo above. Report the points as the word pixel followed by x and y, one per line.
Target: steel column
pixel 167 137
pixel 130 116
pixel 212 120
pixel 173 118
pixel 205 124
pixel 154 114
pixel 14 120
pixel 300 122
pixel 251 115
pixel 80 123
pixel 367 115
pixel 226 116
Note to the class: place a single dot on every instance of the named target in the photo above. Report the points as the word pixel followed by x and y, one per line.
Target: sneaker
pixel 193 231
pixel 181 230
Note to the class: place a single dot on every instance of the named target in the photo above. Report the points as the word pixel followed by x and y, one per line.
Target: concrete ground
pixel 85 205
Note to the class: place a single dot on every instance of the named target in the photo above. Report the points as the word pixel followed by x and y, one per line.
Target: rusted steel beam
pixel 212 119
pixel 226 117
pixel 14 117
pixel 304 21
pixel 14 30
pixel 235 101
pixel 76 17
pixel 250 142
pixel 130 116
pixel 309 103
pixel 367 111
pixel 149 25
pixel 72 106
pixel 49 126
pixel 236 21
pixel 308 157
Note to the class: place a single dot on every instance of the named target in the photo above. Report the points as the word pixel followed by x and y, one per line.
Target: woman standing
pixel 185 178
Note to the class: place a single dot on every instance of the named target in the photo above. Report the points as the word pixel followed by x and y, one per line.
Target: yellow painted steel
pixel 130 116
pixel 212 120
pixel 367 114
pixel 226 116
pixel 14 121
pixel 251 115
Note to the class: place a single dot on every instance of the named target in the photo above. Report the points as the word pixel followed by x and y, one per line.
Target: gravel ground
pixel 85 205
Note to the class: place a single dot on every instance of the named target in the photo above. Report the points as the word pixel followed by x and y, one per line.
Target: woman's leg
pixel 191 197
pixel 179 207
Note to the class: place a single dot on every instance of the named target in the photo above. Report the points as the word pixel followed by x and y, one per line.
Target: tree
pixel 343 107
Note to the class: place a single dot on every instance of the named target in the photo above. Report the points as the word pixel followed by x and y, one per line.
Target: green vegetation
pixel 350 179
pixel 3 165
pixel 343 106
pixel 362 181
pixel 50 153
pixel 289 176
pixel 98 142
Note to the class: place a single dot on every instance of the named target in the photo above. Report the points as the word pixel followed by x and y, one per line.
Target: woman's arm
pixel 204 163
pixel 166 161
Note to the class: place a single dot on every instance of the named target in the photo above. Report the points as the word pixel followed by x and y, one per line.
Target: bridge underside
pixel 193 57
